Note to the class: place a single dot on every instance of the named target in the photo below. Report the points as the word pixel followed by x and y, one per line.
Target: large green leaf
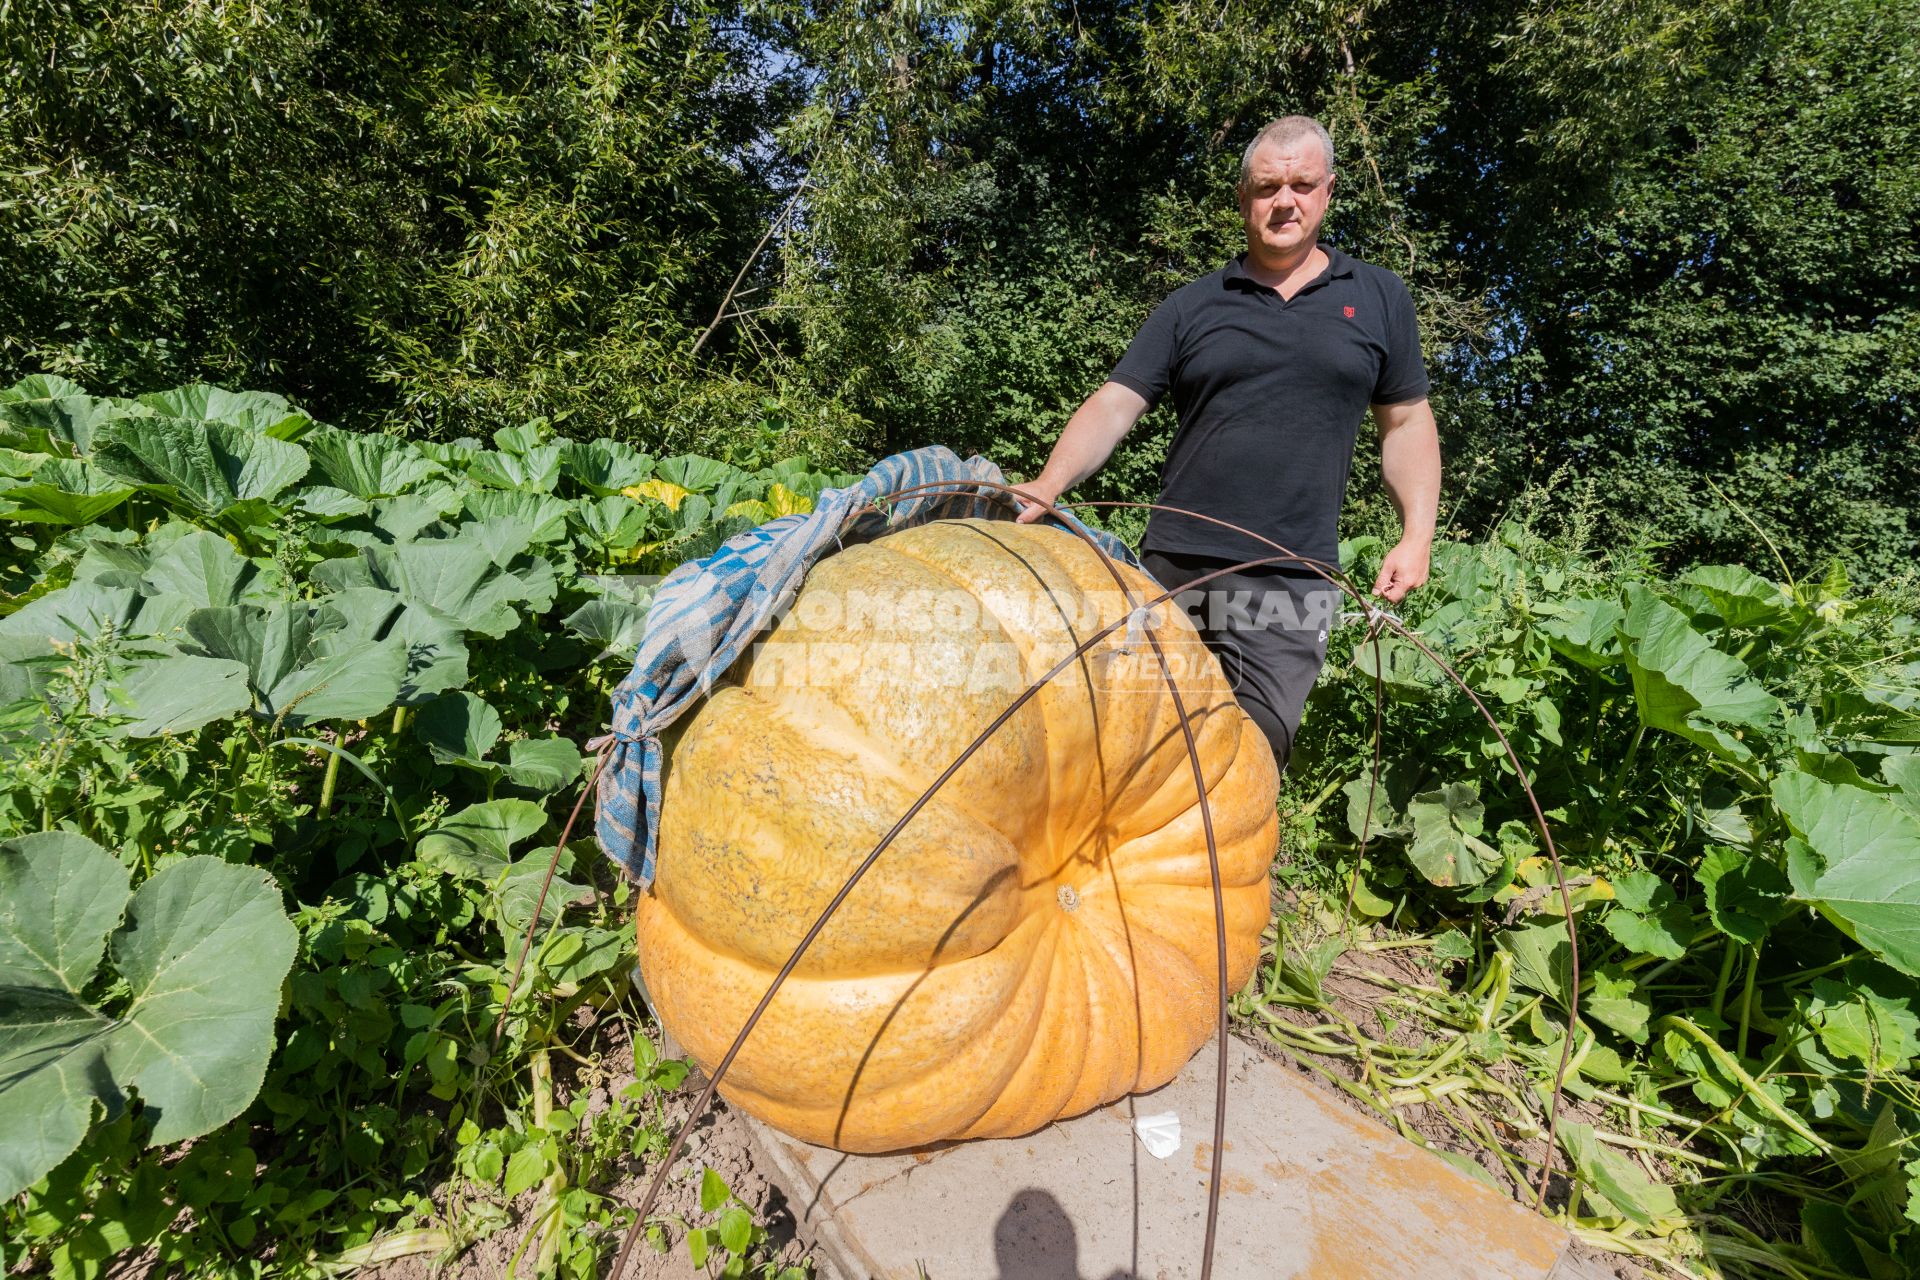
pixel 1684 685
pixel 615 521
pixel 436 648
pixel 1868 880
pixel 1446 847
pixel 1617 1001
pixel 1584 629
pixel 366 466
pixel 178 693
pixel 202 954
pixel 455 577
pixel 691 471
pixel 40 386
pixel 261 412
pixel 519 889
pixel 542 764
pixel 614 625
pixel 1904 773
pixel 604 466
pixel 1542 958
pixel 202 569
pixel 535 471
pixel 1648 916
pixel 544 515
pixel 1746 894
pixel 89 608
pixel 1739 596
pixel 477 842
pixel 293 671
pixel 64 491
pixel 208 468
pixel 64 426
pixel 1873 1023
pixel 458 727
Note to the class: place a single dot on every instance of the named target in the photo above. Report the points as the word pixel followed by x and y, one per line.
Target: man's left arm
pixel 1410 465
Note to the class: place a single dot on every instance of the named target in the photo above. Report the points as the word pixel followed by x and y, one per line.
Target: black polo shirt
pixel 1269 393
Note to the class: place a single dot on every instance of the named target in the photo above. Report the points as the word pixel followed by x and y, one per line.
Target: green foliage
pixel 425 218
pixel 202 955
pixel 313 957
pixel 1727 766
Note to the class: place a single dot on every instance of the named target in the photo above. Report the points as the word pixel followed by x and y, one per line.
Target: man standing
pixel 1272 360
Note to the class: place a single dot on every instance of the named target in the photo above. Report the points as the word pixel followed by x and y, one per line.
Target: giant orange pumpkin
pixel 1040 939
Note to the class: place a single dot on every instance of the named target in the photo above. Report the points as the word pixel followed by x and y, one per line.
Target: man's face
pixel 1285 197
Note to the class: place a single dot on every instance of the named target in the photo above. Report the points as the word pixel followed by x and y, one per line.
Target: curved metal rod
pixel 1333 574
pixel 705 1097
pixel 1533 801
pixel 1335 577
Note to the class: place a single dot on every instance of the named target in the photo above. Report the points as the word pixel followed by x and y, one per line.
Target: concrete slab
pixel 1311 1190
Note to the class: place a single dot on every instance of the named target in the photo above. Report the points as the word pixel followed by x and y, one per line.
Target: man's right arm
pixel 1089 439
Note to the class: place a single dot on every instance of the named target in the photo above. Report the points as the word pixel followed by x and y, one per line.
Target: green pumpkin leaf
pixel 1585 630
pixel 292 668
pixel 1746 894
pixel 519 889
pixel 536 471
pixel 436 648
pixel 477 842
pixel 455 577
pixel 1542 958
pixel 260 412
pixel 62 426
pixel 614 625
pixel 1903 772
pixel 1741 597
pixel 691 471
pixel 458 726
pixel 1661 933
pixel 1879 1028
pixel 543 764
pixel 1868 848
pixel 211 469
pixel 1685 686
pixel 1446 847
pixel 1616 1001
pixel 64 492
pixel 40 386
pixel 203 570
pixel 202 954
pixel 179 693
pixel 603 466
pixel 366 466
pixel 613 521
pixel 88 608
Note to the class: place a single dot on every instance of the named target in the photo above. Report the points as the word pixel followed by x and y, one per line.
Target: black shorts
pixel 1268 626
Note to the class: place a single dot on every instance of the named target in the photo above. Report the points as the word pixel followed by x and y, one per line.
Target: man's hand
pixel 1404 570
pixel 1034 498
pixel 1410 465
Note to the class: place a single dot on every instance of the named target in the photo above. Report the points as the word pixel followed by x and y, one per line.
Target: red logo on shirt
pixel 1347 311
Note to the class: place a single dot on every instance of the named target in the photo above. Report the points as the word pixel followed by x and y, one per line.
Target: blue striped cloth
pixel 708 611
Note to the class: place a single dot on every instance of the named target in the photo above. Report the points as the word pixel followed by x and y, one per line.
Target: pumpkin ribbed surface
pixel 1039 940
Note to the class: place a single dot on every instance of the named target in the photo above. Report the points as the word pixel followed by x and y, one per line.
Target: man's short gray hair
pixel 1282 131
